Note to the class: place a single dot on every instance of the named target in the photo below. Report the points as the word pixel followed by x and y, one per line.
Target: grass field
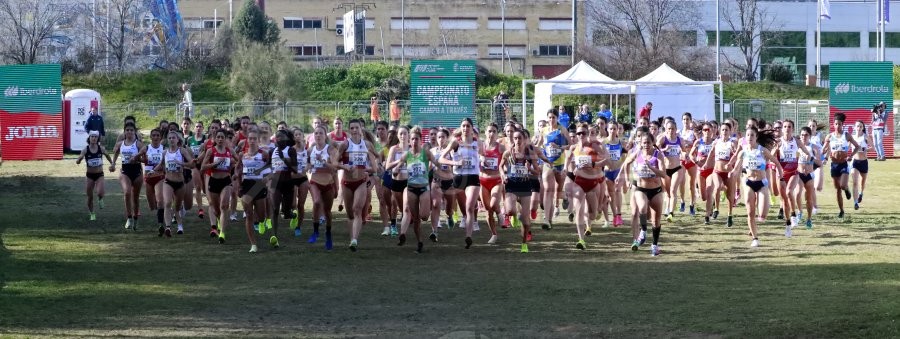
pixel 61 275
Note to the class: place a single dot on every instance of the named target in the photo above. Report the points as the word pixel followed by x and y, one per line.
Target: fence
pixel 797 110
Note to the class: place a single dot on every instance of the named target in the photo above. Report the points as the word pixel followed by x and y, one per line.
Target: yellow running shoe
pixel 581 245
pixel 295 221
pixel 93 216
pixel 587 231
pixel 273 240
pixel 221 237
pixel 524 248
pixel 268 223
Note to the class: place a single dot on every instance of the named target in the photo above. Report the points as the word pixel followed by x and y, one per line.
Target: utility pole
pixel 359 23
pixel 502 35
pixel 574 29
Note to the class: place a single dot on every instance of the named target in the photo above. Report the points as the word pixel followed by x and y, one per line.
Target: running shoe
pixel 506 223
pixel 180 230
pixel 617 221
pixel 855 205
pixel 546 226
pixel 462 222
pixel 468 242
pixel 815 211
pixel 580 245
pixel 847 193
pixel 295 221
pixel 605 224
pixel 682 207
pixel 571 217
pixel 524 248
pixel 221 238
pixel 273 241
pixel 102 205
pixel 313 238
pixel 706 220
pixel 533 214
pixel 93 216
pixel 799 215
pixel 450 222
pixel 244 216
pixel 587 231
pixel 213 231
pixel 841 215
pixel 162 230
pixel 635 245
pixel 715 214
pixel 128 223
pixel 556 213
pixel 669 217
pixel 252 248
pixel 565 204
pixel 693 210
pixel 200 213
pixel 516 222
pixel 754 243
pixel 233 217
pixel 402 240
pixel 794 221
pixel 297 232
pixel 730 221
pixel 387 231
pixel 340 207
pixel 433 237
pixel 168 232
pixel 419 247
pixel 322 220
pixel 809 224
pixel 529 236
pixel 442 223
pixel 476 227
pixel 268 224
pixel 394 231
pixel 787 231
pixel 642 237
pixel 328 243
pixel 858 200
pixel 654 250
pixel 258 229
pixel 781 214
pixel 493 239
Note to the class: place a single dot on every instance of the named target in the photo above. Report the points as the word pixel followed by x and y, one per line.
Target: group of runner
pixel 508 173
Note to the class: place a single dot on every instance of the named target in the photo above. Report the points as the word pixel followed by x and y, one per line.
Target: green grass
pixel 772 90
pixel 61 275
pixel 154 86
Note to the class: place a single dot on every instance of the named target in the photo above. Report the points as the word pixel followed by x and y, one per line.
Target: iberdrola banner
pixel 855 88
pixel 31 112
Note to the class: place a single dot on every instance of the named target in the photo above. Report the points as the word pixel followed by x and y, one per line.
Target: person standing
pixel 187 101
pixel 585 115
pixel 879 129
pixel 645 111
pixel 95 123
pixel 564 117
pixel 374 111
pixel 605 113
pixel 395 112
pixel 501 108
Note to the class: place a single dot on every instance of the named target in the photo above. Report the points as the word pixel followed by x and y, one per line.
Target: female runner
pixel 132 175
pixel 93 153
pixel 588 161
pixel 152 155
pixel 649 171
pixel 219 162
pixel 554 139
pixel 195 141
pixel 300 180
pixel 489 177
pixel 173 163
pixel 516 164
pixel 399 173
pixel 754 157
pixel 860 169
pixel 614 146
pixel 253 191
pixel 806 165
pixel 385 139
pixel 838 144
pixel 688 134
pixel 442 187
pixel 672 146
pixel 338 136
pixel 322 167
pixel 281 184
pixel 464 154
pixel 787 154
pixel 417 197
pixel 699 152
pixel 358 163
pixel 723 149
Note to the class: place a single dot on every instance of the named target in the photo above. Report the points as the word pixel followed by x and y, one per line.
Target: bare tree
pixel 632 37
pixel 25 27
pixel 119 28
pixel 752 27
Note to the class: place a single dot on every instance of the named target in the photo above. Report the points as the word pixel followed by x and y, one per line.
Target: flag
pixel 886 8
pixel 825 8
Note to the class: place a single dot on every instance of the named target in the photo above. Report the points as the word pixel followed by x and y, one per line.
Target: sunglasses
pixel 580 133
pixel 706 129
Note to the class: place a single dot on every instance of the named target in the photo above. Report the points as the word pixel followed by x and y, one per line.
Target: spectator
pixel 564 117
pixel 95 123
pixel 879 129
pixel 187 101
pixel 645 111
pixel 395 112
pixel 585 114
pixel 501 108
pixel 374 112
pixel 605 112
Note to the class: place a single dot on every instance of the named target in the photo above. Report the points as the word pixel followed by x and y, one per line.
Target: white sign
pixel 79 111
pixel 349 32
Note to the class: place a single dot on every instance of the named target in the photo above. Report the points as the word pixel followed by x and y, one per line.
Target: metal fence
pixel 798 110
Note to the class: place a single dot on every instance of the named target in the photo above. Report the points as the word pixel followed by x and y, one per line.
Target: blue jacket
pixel 95 123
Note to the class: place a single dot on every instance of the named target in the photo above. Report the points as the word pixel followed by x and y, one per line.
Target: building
pixel 530 37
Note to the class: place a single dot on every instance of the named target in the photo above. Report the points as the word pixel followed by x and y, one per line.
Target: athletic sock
pixel 643 222
pixel 656 235
pixel 394 222
pixel 316 227
pixel 159 215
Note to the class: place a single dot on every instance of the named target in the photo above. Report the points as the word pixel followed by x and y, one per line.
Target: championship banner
pixel 442 92
pixel 31 112
pixel 855 88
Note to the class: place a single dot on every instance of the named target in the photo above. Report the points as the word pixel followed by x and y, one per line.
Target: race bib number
pixel 96 162
pixel 155 159
pixel 615 155
pixel 172 166
pixel 723 154
pixel 126 157
pixel 490 163
pixel 251 170
pixel 673 151
pixel 704 150
pixel 196 150
pixel 583 161
pixel 789 155
pixel 301 164
pixel 467 164
pixel 277 163
pixel 553 152
pixel 518 171
pixel 644 171
pixel 359 159
pixel 417 170
pixel 224 164
pixel 149 169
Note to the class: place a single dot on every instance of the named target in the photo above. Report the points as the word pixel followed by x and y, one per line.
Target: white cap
pixel 97 133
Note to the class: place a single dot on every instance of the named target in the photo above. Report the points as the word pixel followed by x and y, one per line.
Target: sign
pixel 31 112
pixel 349 32
pixel 442 92
pixel 855 88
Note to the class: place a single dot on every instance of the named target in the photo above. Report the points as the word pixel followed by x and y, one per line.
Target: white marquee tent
pixel 572 81
pixel 672 94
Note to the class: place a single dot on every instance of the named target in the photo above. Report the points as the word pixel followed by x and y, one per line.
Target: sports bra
pixel 641 166
pixel 225 165
pixel 302 160
pixel 335 137
pixel 154 156
pixel 754 160
pixel 93 159
pixel 724 150
pixel 703 149
pixel 128 151
pixel 615 151
pixel 467 155
pixel 254 165
pixel 861 140
pixel 554 154
pixel 788 154
pixel 492 158
pixel 174 161
pixel 585 157
pixel 804 159
pixel 417 164
pixel 436 152
pixel 839 144
pixel 672 148
pixel 318 166
pixel 357 154
pixel 278 164
pixel 517 169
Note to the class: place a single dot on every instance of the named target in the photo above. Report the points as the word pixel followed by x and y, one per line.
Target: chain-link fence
pixel 798 110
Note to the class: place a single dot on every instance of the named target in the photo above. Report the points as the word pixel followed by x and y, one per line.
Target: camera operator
pixel 879 128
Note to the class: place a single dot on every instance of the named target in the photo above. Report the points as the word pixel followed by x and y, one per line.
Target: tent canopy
pixel 672 95
pixel 543 92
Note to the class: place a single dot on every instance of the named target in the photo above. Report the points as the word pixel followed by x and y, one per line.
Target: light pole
pixel 402 32
pixel 718 43
pixel 502 35
pixel 574 29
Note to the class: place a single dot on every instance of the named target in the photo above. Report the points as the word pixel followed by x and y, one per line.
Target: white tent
pixel 569 82
pixel 672 94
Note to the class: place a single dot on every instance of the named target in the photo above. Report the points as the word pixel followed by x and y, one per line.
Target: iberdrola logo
pixel 11 91
pixel 843 88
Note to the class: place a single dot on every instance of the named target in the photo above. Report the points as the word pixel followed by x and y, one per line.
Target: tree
pixel 25 27
pixel 251 24
pixel 752 28
pixel 632 37
pixel 264 73
pixel 120 34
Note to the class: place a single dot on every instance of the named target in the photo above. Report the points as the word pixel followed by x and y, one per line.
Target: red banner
pixel 31 136
pixel 865 115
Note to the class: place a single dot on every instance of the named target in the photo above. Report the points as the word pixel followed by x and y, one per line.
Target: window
pixel 211 24
pixel 512 24
pixel 892 39
pixel 554 50
pixel 841 39
pixel 301 23
pixel 513 50
pixel 784 39
pixel 370 23
pixel 411 50
pixel 339 50
pixel 459 23
pixel 193 23
pixel 306 50
pixel 550 24
pixel 682 38
pixel 787 48
pixel 726 38
pixel 410 23
pixel 606 38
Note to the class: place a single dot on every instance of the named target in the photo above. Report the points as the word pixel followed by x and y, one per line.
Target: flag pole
pixel 819 42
